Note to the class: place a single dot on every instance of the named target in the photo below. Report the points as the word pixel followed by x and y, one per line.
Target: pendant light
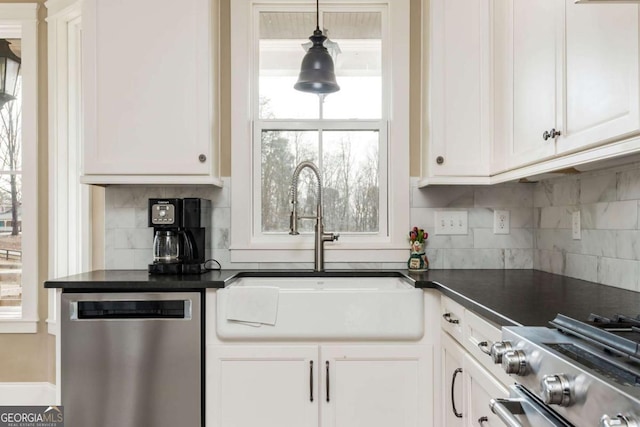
pixel 9 71
pixel 317 73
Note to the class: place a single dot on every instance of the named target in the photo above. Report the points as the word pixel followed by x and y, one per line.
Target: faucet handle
pixel 330 237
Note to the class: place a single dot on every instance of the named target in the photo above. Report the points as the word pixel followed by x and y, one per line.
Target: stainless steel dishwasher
pixel 132 359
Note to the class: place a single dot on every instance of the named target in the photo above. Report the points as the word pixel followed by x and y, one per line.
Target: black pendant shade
pixel 9 71
pixel 317 74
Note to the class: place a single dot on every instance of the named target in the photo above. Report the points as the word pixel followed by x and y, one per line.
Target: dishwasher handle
pixel 130 309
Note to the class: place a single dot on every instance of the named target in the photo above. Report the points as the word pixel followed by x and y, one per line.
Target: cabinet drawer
pixel 452 317
pixel 478 336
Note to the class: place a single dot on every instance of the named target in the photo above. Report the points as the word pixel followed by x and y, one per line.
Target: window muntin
pixel 351 130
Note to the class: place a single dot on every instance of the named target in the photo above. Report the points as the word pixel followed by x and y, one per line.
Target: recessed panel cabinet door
pixel 262 386
pixel 535 92
pixel 452 395
pixel 481 388
pixel 601 73
pixel 459 90
pixel 146 87
pixel 376 386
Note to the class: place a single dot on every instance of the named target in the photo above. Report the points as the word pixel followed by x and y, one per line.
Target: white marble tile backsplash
pixel 609 249
pixel 540 236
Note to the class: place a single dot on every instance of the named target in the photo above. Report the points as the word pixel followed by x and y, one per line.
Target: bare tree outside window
pixel 341 133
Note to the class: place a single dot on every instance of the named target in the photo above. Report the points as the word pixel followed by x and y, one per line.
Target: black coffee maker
pixel 179 235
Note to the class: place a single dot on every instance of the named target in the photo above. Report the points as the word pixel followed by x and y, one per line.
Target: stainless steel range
pixel 580 374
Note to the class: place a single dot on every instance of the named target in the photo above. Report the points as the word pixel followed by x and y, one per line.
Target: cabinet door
pixel 266 386
pixel 460 67
pixel 527 92
pixel 601 74
pixel 376 386
pixel 146 87
pixel 481 388
pixel 453 399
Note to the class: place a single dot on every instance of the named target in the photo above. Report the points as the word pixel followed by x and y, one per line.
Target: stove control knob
pixel 498 349
pixel 557 390
pixel 619 421
pixel 514 362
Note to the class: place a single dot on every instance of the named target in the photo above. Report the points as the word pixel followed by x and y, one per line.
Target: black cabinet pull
pixel 327 365
pixel 484 347
pixel 311 380
pixel 483 420
pixel 553 133
pixel 453 398
pixel 447 317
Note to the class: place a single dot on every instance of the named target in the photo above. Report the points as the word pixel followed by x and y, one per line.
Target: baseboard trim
pixel 27 394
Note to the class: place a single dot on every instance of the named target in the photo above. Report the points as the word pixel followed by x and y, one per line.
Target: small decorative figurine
pixel 418 260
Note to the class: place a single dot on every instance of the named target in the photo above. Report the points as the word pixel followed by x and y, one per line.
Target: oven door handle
pixel 527 407
pixel 505 410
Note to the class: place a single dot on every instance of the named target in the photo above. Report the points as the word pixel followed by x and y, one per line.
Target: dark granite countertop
pixel 506 297
pixel 528 297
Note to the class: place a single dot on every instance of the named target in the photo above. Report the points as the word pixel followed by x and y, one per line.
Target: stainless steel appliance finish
pixel 522 409
pixel 132 359
pixel 583 382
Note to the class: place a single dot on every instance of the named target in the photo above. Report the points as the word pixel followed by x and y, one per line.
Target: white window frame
pixel 20 20
pixel 69 200
pixel 247 245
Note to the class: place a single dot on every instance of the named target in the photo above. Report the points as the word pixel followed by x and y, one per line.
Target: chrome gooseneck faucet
pixel 321 236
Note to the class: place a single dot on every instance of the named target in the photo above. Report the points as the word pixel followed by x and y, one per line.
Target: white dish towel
pixel 254 306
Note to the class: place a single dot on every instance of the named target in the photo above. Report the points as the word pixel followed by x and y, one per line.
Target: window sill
pixel 262 254
pixel 18 326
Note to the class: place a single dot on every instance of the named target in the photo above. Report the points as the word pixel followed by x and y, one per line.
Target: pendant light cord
pixel 318 15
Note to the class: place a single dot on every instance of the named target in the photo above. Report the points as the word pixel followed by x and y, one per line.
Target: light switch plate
pixel 501 222
pixel 451 222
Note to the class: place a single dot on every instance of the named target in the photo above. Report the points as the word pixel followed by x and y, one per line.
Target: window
pixel 18 178
pixel 348 134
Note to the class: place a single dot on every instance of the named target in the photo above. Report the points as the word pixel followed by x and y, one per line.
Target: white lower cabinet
pixel 452 357
pixel 481 387
pixel 319 385
pixel 249 386
pixel 467 388
pixel 376 386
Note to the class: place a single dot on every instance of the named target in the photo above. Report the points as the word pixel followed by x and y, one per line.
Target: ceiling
pixel 338 25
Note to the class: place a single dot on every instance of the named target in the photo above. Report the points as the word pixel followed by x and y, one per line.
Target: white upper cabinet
pixel 565 79
pixel 601 74
pixel 526 67
pixel 149 92
pixel 457 139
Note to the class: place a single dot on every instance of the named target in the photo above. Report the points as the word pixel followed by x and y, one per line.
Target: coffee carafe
pixel 179 235
pixel 166 247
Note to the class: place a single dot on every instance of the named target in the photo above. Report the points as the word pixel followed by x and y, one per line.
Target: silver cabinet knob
pixel 514 362
pixel 619 420
pixel 557 390
pixel 498 349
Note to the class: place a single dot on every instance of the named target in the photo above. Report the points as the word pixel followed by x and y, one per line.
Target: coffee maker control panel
pixel 163 214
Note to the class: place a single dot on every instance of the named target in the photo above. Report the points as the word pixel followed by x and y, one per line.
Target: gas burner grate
pixel 619 337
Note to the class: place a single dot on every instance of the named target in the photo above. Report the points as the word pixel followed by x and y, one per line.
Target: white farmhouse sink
pixel 326 308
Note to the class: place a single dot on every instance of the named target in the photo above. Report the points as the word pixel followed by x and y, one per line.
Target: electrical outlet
pixel 575 226
pixel 501 222
pixel 451 222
